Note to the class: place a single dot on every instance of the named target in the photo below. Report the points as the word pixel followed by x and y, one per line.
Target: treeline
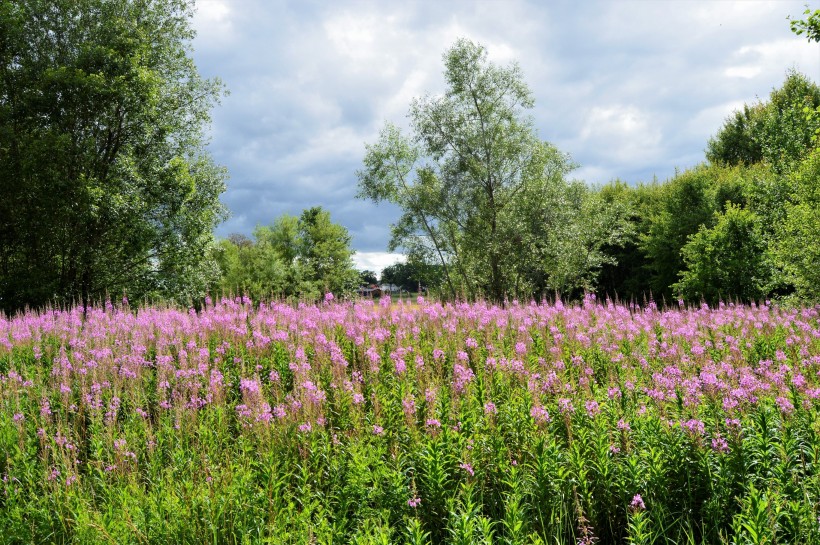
pixel 743 225
pixel 296 257
pixel 108 189
pixel 496 209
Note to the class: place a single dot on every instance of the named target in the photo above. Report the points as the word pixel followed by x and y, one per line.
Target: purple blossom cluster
pixel 279 367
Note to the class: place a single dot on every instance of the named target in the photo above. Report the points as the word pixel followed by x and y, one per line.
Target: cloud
pixel 212 20
pixel 767 58
pixel 630 89
pixel 376 261
pixel 622 134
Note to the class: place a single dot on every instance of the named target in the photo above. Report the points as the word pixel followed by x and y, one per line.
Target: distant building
pixel 372 290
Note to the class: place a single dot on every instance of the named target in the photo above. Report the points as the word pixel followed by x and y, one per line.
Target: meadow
pixel 363 422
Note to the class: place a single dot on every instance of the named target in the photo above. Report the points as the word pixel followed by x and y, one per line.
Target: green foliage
pixel 107 187
pixel 726 261
pixel 480 194
pixel 778 132
pixel 368 277
pixel 408 276
pixel 810 26
pixel 685 204
pixel 627 274
pixel 302 257
pixel 798 242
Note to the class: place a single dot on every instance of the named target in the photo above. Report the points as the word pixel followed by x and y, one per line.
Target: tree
pixel 779 132
pixel 685 203
pixel 727 260
pixel 368 277
pixel 106 185
pixel 252 268
pixel 458 181
pixel 412 274
pixel 300 257
pixel 810 26
pixel 798 242
pixel 325 252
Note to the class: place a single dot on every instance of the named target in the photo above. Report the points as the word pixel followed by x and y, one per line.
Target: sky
pixel 632 90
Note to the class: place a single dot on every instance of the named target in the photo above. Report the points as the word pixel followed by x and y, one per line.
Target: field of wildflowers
pixel 386 423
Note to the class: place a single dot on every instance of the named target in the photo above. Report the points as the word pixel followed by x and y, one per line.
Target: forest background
pixel 110 191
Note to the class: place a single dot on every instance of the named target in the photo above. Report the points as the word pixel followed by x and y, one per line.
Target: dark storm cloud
pixel 629 89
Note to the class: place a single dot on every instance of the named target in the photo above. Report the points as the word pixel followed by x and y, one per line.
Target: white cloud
pixel 773 58
pixel 707 121
pixel 376 261
pixel 593 175
pixel 212 21
pixel 745 72
pixel 629 88
pixel 622 133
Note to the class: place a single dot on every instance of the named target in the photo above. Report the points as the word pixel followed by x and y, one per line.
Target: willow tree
pixel 461 178
pixel 106 185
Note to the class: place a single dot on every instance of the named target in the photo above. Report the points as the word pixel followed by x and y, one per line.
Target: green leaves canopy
pixel 106 186
pixel 302 257
pixel 469 175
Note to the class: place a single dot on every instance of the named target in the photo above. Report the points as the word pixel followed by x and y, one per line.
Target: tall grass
pixel 424 423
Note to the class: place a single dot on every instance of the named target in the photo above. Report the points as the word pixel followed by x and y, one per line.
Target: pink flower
pixel 414 502
pixel 786 406
pixel 540 414
pixel 565 406
pixel 408 405
pixel 637 502
pixel 592 408
pixel 719 444
pixel 468 468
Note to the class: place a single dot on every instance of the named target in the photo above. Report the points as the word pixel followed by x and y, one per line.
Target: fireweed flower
pixel 719 444
pixel 786 406
pixel 408 405
pixel 565 406
pixel 468 468
pixel 414 502
pixel 592 408
pixel 637 502
pixel 540 414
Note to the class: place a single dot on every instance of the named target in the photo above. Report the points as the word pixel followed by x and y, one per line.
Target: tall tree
pixel 325 252
pixel 798 237
pixel 473 159
pixel 778 131
pixel 301 257
pixel 727 260
pixel 106 185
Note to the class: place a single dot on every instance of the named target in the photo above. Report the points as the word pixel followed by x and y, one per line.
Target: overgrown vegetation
pixel 106 183
pixel 424 423
pixel 492 205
